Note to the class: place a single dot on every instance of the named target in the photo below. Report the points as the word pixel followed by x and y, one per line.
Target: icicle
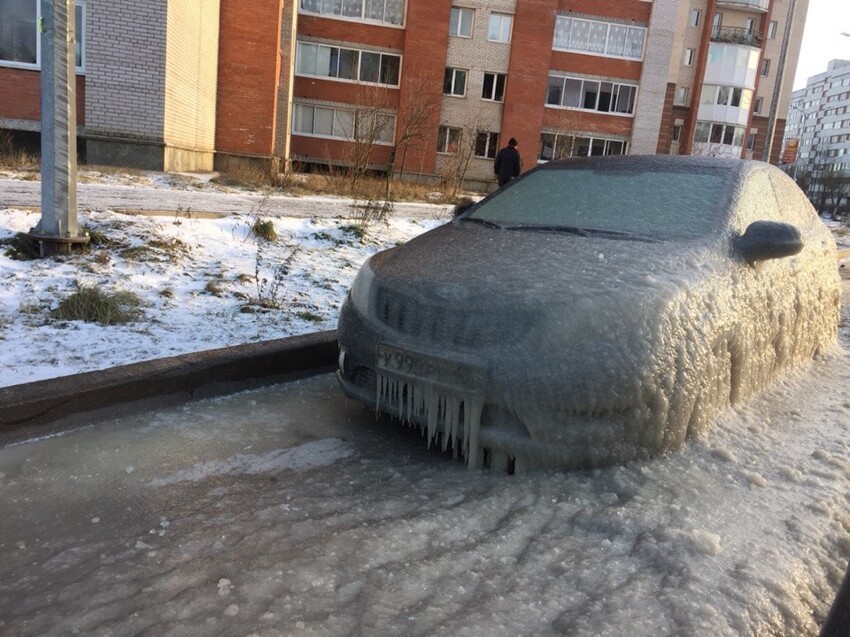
pixel 472 423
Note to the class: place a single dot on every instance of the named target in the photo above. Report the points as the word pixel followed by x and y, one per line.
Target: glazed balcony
pixel 760 6
pixel 736 35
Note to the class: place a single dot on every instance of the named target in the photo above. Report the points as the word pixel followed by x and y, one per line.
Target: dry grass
pixel 91 305
pixel 12 158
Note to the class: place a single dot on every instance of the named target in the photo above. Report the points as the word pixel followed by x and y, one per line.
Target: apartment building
pixel 819 125
pixel 428 87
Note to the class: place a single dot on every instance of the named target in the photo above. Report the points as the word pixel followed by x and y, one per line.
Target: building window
pixel 448 140
pixel 486 145
pixel 717 21
pixel 765 68
pixel 677 133
pixel 494 87
pixel 20 39
pixel 591 95
pixel 353 65
pixel 727 134
pixel 454 82
pixel 561 145
pixel 726 96
pixel 690 55
pixel 682 94
pixel 696 15
pixel 771 29
pixel 460 24
pixel 757 105
pixel 500 27
pixel 607 39
pixel 383 11
pixel 750 24
pixel 343 123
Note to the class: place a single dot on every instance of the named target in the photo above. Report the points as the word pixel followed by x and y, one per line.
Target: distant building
pixel 819 121
pixel 434 88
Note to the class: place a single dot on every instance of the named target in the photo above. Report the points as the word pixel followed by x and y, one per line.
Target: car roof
pixel 667 163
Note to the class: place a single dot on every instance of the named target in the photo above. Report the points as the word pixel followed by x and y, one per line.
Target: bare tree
pixel 364 127
pixel 834 189
pixel 456 165
pixel 568 128
pixel 414 125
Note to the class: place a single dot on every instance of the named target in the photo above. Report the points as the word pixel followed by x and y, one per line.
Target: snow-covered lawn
pixel 203 282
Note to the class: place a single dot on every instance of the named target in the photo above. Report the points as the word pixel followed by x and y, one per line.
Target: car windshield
pixel 614 201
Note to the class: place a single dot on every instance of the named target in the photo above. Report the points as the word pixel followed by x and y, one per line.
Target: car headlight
pixel 361 289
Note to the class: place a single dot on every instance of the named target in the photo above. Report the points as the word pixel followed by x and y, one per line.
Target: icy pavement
pixel 289 511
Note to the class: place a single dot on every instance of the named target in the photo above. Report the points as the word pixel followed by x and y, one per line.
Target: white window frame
pixel 610 42
pixel 443 141
pixel 491 145
pixel 80 30
pixel 765 67
pixel 504 27
pixel 301 73
pixel 690 56
pixel 455 71
pixel 493 92
pixel 695 18
pixel 682 95
pixel 341 136
pixel 461 12
pixel 607 142
pixel 361 18
pixel 771 29
pixel 615 93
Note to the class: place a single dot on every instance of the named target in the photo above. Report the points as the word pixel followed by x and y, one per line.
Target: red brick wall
pixel 622 9
pixel 528 73
pixel 248 72
pixel 588 121
pixel 329 150
pixel 354 32
pixel 20 95
pixel 595 65
pixel 665 133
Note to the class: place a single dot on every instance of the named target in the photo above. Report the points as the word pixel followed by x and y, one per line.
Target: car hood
pixel 479 267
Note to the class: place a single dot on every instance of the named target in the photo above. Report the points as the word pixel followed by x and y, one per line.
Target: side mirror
pixel 769 240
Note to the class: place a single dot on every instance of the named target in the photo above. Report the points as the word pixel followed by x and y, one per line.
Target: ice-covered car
pixel 593 311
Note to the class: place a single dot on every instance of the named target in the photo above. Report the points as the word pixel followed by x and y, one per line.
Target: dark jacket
pixel 508 164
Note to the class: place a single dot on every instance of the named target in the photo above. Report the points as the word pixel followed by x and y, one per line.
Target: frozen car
pixel 594 310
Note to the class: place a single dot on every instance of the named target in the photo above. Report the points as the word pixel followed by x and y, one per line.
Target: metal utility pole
pixel 58 229
pixel 777 87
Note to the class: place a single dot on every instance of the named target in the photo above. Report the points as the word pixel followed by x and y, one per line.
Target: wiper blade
pixel 631 236
pixel 565 229
pixel 480 221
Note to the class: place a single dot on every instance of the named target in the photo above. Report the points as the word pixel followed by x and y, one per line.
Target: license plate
pixel 454 375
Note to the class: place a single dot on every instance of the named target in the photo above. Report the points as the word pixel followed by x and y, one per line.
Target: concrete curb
pixel 83 398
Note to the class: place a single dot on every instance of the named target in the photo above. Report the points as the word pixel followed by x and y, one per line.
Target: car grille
pixel 450 324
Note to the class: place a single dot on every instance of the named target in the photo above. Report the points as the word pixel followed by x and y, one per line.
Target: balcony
pixel 736 35
pixel 761 6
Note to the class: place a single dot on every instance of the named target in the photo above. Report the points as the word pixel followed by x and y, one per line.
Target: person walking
pixel 508 163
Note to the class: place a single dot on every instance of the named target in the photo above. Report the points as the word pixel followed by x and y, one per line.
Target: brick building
pixel 434 87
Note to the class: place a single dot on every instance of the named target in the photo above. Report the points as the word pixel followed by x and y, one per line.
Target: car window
pixel 662 204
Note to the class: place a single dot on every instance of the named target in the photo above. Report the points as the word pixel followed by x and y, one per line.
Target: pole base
pixel 51 245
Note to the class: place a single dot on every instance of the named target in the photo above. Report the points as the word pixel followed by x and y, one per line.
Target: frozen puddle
pixel 289 511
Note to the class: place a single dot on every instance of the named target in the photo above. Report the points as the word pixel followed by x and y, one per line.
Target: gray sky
pixel 822 39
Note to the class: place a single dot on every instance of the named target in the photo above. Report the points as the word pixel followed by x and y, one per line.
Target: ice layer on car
pixel 626 350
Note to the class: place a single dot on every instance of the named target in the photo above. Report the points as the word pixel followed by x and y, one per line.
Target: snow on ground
pixel 201 281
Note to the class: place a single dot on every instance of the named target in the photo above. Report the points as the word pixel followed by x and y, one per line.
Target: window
pixel 696 15
pixel 726 134
pixel 353 65
pixel 717 21
pixel 765 68
pixel 460 24
pixel 677 133
pixel 20 39
pixel 494 87
pixel 385 11
pixel 448 140
pixel 343 123
pixel 726 96
pixel 500 27
pixel 454 82
pixel 592 95
pixel 750 24
pixel 562 145
pixel 486 145
pixel 682 94
pixel 607 39
pixel 751 140
pixel 690 54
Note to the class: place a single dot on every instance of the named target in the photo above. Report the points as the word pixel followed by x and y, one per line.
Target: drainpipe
pixel 58 229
